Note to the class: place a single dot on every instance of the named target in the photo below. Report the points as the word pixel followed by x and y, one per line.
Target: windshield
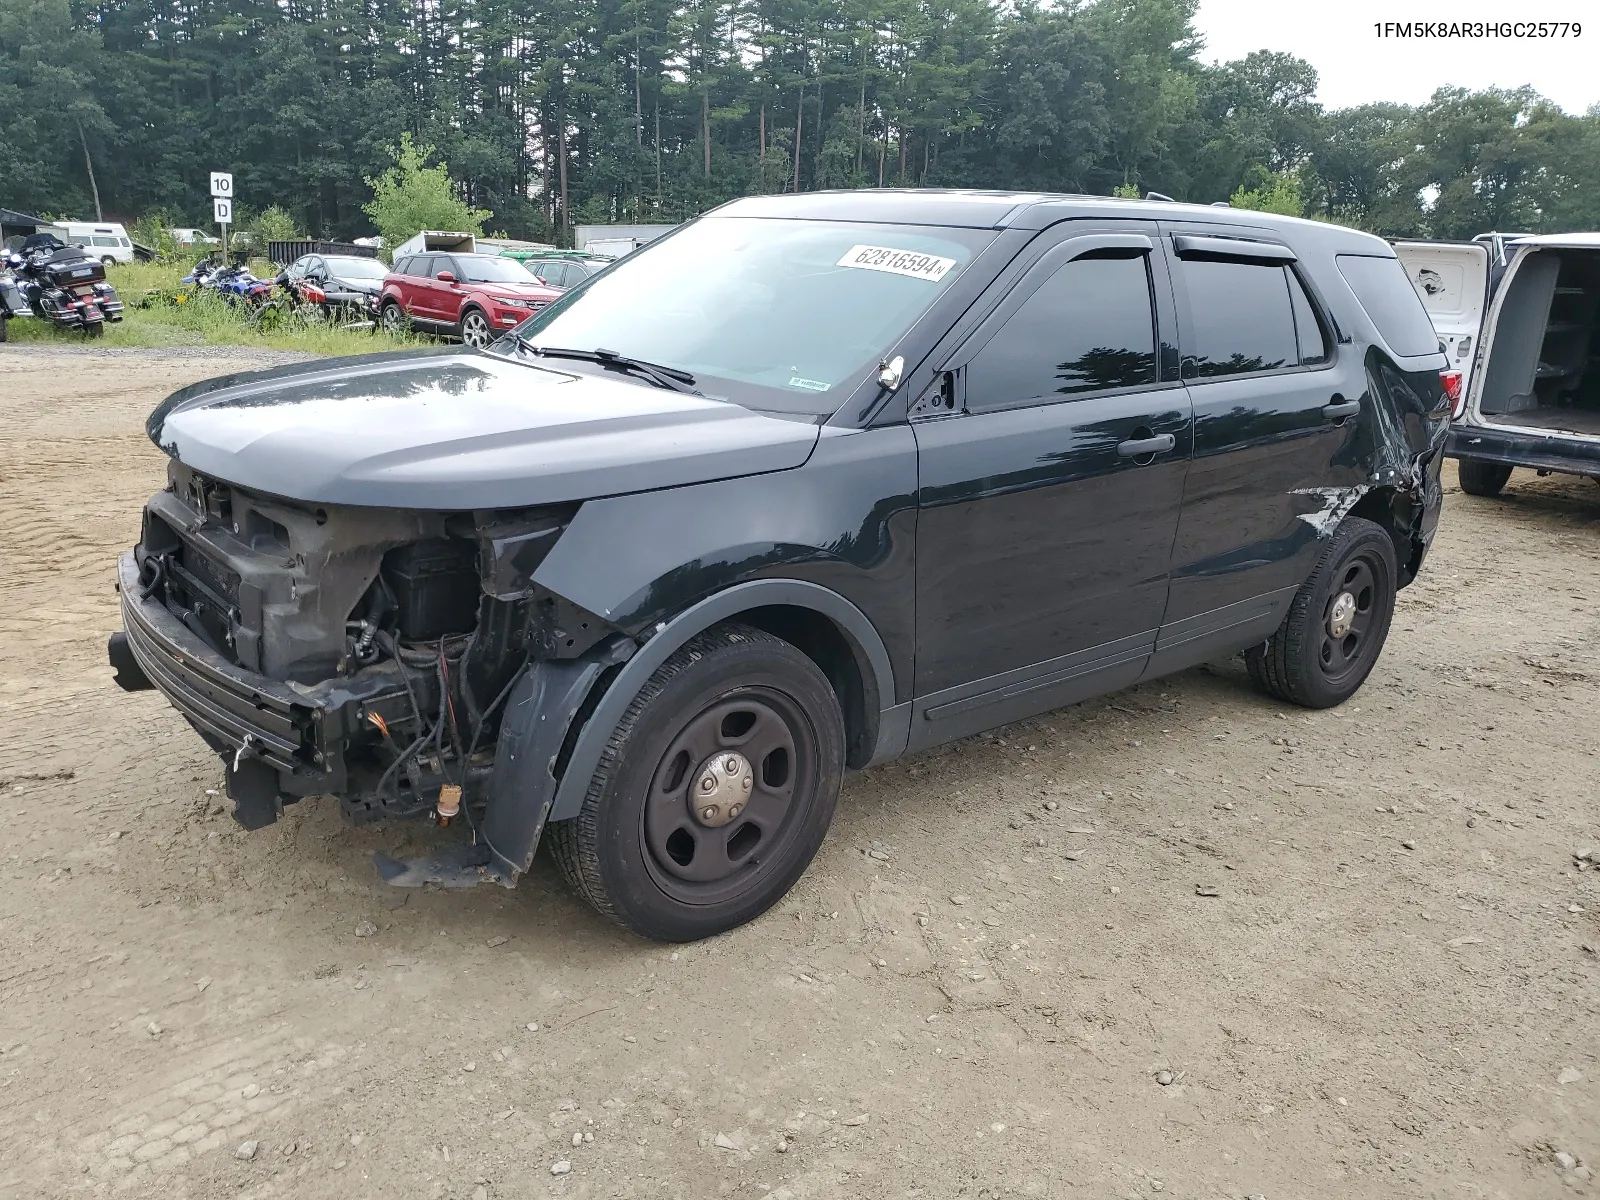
pixel 356 268
pixel 772 313
pixel 493 270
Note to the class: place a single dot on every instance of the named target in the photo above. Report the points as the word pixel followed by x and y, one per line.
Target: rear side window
pixel 1389 299
pixel 98 240
pixel 1241 319
pixel 1088 328
pixel 1308 331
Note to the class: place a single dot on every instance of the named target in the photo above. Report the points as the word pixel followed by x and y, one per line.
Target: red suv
pixel 474 297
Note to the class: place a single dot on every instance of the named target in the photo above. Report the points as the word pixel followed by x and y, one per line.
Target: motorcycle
pixel 12 301
pixel 66 285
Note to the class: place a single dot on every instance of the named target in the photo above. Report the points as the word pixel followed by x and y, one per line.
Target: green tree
pixel 411 196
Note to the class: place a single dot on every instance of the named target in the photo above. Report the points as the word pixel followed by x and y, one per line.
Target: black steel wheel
pixel 715 790
pixel 1480 478
pixel 1337 623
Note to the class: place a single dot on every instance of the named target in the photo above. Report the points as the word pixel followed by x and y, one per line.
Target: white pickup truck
pixel 1519 316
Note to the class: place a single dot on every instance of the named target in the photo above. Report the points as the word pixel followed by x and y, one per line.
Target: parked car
pixel 1521 315
pixel 561 270
pixel 814 482
pixel 194 237
pixel 475 297
pixel 347 281
pixel 106 240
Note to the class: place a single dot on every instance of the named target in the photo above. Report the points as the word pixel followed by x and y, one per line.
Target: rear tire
pixel 642 855
pixel 1480 478
pixel 98 329
pixel 1337 623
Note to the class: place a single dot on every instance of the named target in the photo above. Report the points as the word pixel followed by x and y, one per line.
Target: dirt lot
pixel 1394 994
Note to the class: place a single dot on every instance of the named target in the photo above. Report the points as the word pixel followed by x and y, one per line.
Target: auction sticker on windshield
pixel 897 262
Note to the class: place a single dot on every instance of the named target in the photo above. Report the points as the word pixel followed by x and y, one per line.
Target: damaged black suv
pixel 810 483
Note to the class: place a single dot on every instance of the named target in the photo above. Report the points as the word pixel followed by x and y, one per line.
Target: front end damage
pixel 371 654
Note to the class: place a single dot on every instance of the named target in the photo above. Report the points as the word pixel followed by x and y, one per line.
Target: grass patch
pixel 204 321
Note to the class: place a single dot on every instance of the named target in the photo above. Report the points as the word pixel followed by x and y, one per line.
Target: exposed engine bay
pixel 402 631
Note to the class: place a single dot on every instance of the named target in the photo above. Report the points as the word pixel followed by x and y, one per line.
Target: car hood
pixel 356 285
pixel 462 430
pixel 516 291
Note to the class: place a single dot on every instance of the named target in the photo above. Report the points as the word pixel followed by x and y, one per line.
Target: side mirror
pixel 446 277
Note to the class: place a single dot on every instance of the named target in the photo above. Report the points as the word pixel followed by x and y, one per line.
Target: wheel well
pixel 839 658
pixel 1395 511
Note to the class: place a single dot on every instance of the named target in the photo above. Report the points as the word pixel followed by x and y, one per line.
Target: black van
pixel 809 483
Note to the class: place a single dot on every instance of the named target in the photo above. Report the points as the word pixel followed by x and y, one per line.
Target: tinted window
pixel 103 241
pixel 1308 331
pixel 1240 317
pixel 1390 300
pixel 421 266
pixel 555 274
pixel 1088 328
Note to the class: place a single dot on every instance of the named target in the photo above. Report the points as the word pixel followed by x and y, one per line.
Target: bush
pixel 1272 193
pixel 271 224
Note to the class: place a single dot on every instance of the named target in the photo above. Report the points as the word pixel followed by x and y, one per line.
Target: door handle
pixel 1139 447
pixel 1340 409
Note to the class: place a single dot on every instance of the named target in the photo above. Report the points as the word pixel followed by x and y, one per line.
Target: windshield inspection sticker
pixel 810 385
pixel 897 262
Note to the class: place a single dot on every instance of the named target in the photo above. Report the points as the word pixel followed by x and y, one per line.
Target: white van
pixel 106 240
pixel 1520 318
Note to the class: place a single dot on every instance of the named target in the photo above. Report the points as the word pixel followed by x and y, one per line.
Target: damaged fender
pixel 527 763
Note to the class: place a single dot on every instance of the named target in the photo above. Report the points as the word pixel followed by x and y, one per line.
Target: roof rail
pixel 1220 204
pixel 1159 196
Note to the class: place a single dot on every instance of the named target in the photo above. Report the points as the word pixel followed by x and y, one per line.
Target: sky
pixel 1356 66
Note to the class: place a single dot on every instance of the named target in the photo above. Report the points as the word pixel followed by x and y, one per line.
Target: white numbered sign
pixel 224 210
pixel 222 184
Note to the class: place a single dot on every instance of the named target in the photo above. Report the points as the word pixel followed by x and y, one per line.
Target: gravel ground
pixel 1178 941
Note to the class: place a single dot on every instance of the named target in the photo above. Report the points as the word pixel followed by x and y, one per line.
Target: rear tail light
pixel 1454 392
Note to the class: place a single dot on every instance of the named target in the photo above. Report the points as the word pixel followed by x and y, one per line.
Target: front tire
pixel 1480 478
pixel 475 331
pixel 714 792
pixel 1337 623
pixel 393 318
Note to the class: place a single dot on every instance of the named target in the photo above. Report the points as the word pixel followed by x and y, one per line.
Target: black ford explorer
pixel 813 482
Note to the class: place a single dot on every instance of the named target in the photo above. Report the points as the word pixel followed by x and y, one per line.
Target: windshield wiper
pixel 667 377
